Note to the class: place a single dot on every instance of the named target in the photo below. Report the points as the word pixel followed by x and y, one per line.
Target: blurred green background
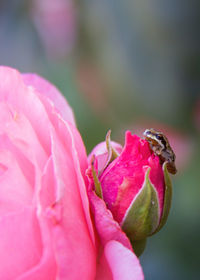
pixel 124 64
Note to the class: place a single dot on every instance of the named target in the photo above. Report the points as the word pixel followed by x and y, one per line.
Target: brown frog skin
pixel 159 144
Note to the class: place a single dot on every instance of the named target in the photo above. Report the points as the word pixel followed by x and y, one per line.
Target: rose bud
pixel 135 185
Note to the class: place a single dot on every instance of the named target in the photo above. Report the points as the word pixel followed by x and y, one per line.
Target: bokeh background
pixel 124 64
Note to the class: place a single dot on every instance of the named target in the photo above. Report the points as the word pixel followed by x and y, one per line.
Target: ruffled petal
pixel 107 228
pixel 20 243
pixel 74 249
pixel 16 191
pixel 50 91
pixel 122 262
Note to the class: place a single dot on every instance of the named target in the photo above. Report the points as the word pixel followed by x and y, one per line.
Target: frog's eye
pixel 159 137
pixel 147 132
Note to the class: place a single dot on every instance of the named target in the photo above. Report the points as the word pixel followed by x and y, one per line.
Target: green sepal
pixel 142 217
pixel 138 246
pixel 112 153
pixel 97 184
pixel 167 198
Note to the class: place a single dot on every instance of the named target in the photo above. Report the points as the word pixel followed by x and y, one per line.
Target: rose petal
pixel 15 190
pixel 69 227
pixel 107 228
pixel 47 192
pixel 101 152
pixel 123 263
pixel 69 137
pixel 26 101
pixel 103 269
pixel 20 243
pixel 50 91
pixel 46 268
pixel 20 132
pixel 157 179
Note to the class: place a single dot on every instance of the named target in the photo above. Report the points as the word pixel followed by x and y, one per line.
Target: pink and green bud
pixel 134 185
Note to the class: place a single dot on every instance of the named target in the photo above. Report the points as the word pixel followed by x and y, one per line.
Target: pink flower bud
pixel 134 184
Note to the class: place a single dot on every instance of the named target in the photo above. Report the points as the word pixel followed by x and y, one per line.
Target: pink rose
pixel 46 231
pixel 134 185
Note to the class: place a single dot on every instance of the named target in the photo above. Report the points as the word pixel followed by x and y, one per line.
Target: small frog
pixel 159 144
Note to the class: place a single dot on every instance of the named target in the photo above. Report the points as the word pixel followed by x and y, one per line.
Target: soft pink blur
pixel 93 88
pixel 55 22
pixel 46 231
